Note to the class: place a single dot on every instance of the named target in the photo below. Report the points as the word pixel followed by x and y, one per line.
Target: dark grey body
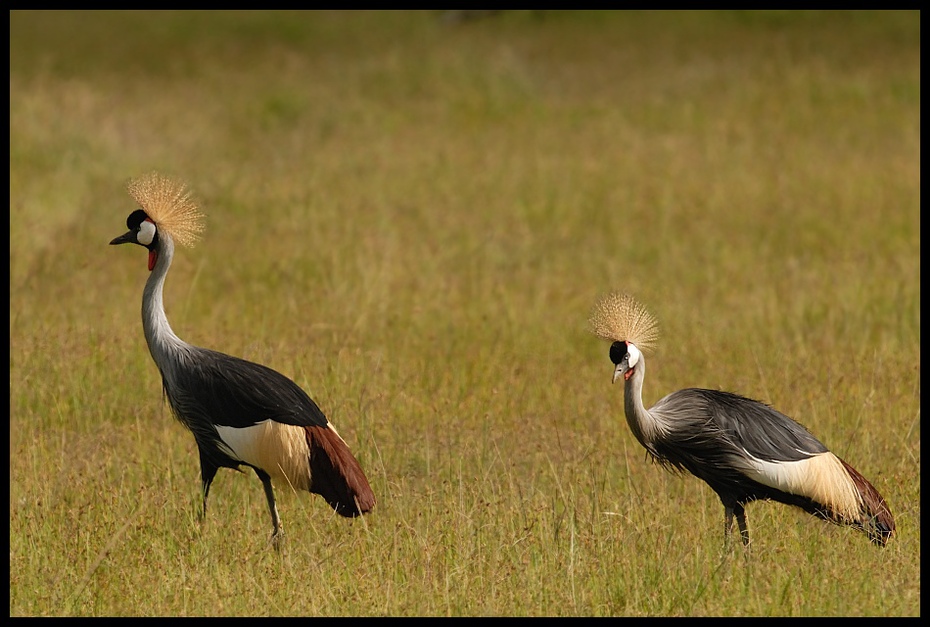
pixel 217 389
pixel 713 433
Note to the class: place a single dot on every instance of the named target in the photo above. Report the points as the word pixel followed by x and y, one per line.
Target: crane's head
pixel 631 329
pixel 142 231
pixel 167 211
pixel 625 356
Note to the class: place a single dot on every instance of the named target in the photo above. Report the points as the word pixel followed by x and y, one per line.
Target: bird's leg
pixel 727 524
pixel 277 535
pixel 207 473
pixel 741 521
pixel 735 511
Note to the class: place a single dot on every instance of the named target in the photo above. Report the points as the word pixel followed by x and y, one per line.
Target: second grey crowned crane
pixel 743 449
pixel 241 413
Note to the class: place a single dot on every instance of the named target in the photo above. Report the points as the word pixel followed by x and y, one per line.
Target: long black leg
pixel 741 521
pixel 730 511
pixel 207 473
pixel 727 523
pixel 276 534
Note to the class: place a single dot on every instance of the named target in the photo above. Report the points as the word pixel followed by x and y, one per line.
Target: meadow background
pixel 411 216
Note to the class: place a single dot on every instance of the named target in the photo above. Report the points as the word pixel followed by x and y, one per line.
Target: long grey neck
pixel 643 423
pixel 164 345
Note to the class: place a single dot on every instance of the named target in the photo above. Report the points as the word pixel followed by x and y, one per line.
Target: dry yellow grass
pixel 412 219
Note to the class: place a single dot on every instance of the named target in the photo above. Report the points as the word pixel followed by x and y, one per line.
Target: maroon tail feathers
pixel 876 519
pixel 336 475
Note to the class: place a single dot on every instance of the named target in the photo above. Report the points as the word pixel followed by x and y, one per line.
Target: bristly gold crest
pixel 170 205
pixel 619 317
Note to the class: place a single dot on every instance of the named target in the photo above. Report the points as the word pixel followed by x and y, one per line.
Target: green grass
pixel 412 219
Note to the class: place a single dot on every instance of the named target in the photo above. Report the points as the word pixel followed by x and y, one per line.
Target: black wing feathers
pixel 764 432
pixel 240 393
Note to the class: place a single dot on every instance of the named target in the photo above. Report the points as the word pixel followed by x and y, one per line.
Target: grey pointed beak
pixel 129 237
pixel 618 372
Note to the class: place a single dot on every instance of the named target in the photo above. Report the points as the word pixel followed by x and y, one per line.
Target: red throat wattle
pixel 626 375
pixel 153 256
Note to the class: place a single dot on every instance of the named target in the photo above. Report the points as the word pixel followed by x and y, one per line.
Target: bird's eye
pixel 146 234
pixel 632 355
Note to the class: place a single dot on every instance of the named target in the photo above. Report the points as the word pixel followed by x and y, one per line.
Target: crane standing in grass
pixel 743 449
pixel 240 412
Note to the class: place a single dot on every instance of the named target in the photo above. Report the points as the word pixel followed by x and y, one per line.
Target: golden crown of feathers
pixel 619 317
pixel 169 204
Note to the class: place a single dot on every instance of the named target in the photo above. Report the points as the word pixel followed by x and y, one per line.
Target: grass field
pixel 412 218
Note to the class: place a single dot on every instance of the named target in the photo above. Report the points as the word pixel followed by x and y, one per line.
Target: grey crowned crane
pixel 743 449
pixel 240 413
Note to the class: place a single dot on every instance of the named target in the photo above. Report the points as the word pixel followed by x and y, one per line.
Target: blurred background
pixel 411 214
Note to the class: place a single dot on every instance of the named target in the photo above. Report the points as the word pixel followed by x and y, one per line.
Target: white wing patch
pixel 278 449
pixel 820 477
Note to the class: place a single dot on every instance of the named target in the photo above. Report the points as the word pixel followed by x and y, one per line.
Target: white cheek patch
pixel 146 234
pixel 633 353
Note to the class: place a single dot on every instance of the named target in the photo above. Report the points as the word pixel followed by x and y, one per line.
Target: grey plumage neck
pixel 164 345
pixel 644 424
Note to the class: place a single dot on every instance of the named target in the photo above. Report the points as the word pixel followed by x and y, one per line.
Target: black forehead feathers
pixel 617 352
pixel 136 218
